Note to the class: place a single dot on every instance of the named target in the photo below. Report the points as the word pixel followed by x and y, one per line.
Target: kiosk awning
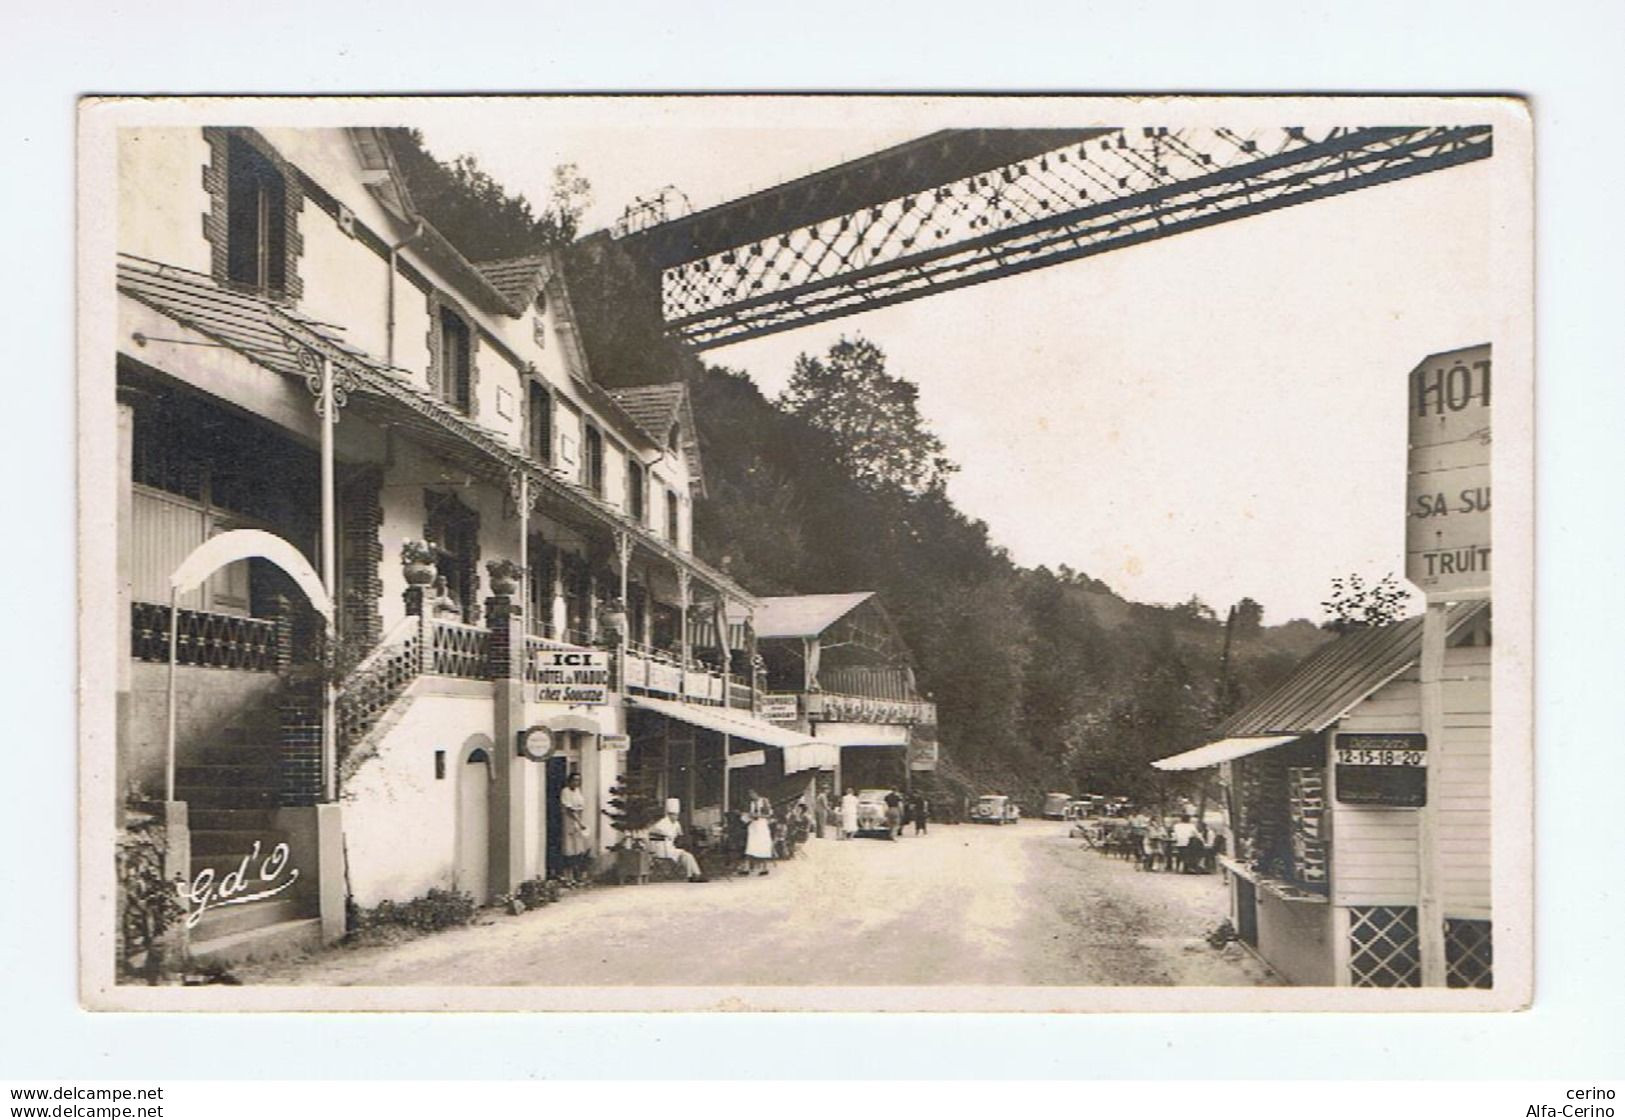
pixel 811 756
pixel 727 721
pixel 1224 750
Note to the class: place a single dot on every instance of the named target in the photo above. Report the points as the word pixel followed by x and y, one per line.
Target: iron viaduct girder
pixel 968 206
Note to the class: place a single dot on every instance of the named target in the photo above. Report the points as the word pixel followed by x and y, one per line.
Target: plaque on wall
pixel 1386 770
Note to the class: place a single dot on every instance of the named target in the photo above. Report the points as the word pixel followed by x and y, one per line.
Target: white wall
pixel 400 821
pixel 161 197
pixel 1375 850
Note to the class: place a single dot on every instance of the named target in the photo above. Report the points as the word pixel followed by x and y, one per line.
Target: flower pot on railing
pixel 418 563
pixel 505 575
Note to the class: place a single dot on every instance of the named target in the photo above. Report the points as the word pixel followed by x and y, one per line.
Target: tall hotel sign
pixel 1447 500
pixel 1447 555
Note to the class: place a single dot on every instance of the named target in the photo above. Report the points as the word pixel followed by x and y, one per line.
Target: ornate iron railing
pixel 841 708
pixel 458 650
pixel 375 684
pixel 214 641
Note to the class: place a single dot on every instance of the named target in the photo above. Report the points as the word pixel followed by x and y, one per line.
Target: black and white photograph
pixel 806 553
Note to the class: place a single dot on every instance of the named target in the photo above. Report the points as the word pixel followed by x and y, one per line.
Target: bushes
pixel 437 910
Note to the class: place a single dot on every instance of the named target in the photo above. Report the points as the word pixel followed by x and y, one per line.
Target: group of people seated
pixel 1186 845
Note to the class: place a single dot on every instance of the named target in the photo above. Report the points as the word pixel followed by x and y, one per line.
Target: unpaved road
pixel 968 904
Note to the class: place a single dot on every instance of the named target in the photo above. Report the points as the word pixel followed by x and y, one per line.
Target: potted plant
pixel 418 562
pixel 505 576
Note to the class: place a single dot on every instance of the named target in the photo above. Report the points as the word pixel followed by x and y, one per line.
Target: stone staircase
pixel 232 788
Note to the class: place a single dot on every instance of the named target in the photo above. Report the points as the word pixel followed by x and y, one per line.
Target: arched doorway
pixel 473 874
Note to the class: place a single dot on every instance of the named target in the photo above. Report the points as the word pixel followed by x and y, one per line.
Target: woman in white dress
pixel 849 815
pixel 573 842
pixel 759 835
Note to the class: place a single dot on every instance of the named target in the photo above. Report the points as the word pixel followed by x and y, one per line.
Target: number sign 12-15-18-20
pixel 1388 769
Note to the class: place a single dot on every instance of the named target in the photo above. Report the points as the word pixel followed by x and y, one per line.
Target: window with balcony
pixel 256 220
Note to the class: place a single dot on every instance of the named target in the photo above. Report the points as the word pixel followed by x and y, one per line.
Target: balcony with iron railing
pixel 837 707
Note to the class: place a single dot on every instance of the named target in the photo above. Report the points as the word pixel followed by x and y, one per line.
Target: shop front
pixel 1332 787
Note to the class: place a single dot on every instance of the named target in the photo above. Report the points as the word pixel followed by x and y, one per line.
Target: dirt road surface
pixel 966 904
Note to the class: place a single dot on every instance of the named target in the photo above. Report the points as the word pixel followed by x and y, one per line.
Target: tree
pixel 1353 604
pixel 476 213
pixel 1249 616
pixel 872 417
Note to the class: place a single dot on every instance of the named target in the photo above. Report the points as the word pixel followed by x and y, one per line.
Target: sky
pixel 1219 413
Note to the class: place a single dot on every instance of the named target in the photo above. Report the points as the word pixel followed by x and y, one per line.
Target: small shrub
pixel 149 904
pixel 437 910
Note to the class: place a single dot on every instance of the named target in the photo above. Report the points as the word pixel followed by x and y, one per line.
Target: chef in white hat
pixel 663 835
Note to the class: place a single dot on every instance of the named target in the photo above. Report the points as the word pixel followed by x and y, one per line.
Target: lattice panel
pixel 373 686
pixel 459 651
pixel 1128 187
pixel 1468 959
pixel 217 641
pixel 1384 951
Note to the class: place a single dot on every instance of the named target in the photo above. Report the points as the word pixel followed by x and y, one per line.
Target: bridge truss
pixel 848 240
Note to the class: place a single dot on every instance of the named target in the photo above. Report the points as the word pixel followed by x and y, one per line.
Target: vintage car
pixel 995 808
pixel 872 810
pixel 1055 805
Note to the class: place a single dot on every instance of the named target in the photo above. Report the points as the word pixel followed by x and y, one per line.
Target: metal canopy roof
pixel 805 616
pixel 1339 675
pixel 1225 750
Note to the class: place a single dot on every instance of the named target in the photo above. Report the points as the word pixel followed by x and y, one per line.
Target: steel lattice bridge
pixel 965 206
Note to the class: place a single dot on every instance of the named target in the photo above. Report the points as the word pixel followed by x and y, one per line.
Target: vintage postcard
pixel 799 553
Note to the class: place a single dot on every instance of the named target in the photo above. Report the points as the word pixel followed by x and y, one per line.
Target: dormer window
pixel 673 437
pixel 673 518
pixel 256 220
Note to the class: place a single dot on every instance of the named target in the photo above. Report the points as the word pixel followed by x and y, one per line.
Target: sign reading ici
pixel 1447 491
pixel 572 676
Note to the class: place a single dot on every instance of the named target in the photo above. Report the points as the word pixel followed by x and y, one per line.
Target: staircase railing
pixel 378 681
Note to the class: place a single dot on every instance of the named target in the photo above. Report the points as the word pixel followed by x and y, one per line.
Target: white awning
pixel 862 734
pixel 1223 751
pixel 811 756
pixel 727 721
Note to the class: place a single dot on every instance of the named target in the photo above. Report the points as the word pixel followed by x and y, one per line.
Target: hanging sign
pixel 1447 493
pixel 746 759
pixel 778 707
pixel 571 676
pixel 1386 769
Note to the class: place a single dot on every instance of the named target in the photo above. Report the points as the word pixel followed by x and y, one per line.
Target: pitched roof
pixel 1337 676
pixel 517 278
pixel 804 616
pixel 654 409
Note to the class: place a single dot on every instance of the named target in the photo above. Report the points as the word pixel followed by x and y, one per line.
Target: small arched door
pixel 474 824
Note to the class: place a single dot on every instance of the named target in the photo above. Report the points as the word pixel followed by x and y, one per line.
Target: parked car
pixel 872 810
pixel 994 808
pixel 1055 805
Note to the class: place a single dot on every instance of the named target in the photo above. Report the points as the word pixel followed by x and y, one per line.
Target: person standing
pixel 894 814
pixel 759 835
pixel 820 813
pixel 573 842
pixel 849 814
pixel 920 810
